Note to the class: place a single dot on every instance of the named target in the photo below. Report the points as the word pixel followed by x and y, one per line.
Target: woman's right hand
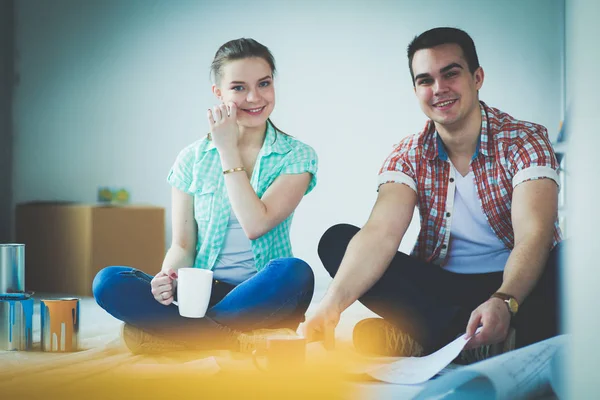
pixel 163 286
pixel 224 130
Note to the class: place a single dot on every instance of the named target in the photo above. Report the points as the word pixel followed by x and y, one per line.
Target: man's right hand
pixel 321 326
pixel 163 286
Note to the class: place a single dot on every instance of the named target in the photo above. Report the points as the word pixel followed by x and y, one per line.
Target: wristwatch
pixel 511 302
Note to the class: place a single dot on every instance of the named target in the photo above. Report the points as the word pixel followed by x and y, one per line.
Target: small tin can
pixel 12 268
pixel 16 321
pixel 60 325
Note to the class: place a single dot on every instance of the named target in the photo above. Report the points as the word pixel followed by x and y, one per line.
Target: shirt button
pixel 451 180
pixel 444 246
pixel 448 214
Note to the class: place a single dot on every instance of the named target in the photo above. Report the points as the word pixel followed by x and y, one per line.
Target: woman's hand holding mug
pixel 163 286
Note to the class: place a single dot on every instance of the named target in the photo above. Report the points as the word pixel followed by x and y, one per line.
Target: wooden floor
pixel 103 368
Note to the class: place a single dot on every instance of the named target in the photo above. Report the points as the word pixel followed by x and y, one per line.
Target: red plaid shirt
pixel 509 152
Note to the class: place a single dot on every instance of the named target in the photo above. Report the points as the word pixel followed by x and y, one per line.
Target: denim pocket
pixel 137 274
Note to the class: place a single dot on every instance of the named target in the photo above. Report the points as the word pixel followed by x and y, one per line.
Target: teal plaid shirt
pixel 198 172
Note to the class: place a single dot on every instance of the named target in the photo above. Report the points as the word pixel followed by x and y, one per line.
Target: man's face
pixel 446 90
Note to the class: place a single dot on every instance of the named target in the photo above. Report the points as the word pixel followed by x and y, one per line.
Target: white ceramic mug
pixel 193 291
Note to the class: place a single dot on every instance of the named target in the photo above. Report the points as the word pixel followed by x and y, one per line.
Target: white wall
pixel 582 270
pixel 110 91
pixel 6 84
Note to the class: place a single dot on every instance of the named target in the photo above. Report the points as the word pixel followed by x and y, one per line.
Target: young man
pixel 486 186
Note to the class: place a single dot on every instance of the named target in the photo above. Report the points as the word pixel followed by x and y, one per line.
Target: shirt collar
pixel 443 155
pixel 275 143
pixel 434 147
pixel 486 139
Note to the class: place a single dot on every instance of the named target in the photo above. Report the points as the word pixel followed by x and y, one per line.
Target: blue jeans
pixel 276 297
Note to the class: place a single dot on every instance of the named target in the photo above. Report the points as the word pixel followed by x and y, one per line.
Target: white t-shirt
pixel 474 247
pixel 235 262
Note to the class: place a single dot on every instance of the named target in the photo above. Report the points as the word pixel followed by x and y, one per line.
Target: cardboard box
pixel 66 244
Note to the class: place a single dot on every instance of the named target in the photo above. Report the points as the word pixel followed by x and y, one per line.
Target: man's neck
pixel 461 139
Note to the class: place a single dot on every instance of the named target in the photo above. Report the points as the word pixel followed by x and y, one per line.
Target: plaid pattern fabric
pixel 509 152
pixel 198 172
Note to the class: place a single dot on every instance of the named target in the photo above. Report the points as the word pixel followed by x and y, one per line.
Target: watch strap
pixel 511 301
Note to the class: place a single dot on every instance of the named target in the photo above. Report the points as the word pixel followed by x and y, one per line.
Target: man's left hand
pixel 494 317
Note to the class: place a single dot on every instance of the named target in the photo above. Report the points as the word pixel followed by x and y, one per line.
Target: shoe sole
pixel 397 343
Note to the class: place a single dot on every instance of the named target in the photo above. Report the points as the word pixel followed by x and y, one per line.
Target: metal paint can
pixel 16 321
pixel 60 324
pixel 12 268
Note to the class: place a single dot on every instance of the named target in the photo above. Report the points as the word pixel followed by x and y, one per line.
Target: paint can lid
pixel 14 296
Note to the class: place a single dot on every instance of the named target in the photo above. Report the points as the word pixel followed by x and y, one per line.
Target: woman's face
pixel 249 84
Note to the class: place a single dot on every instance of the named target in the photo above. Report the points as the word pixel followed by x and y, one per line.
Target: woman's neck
pixel 252 136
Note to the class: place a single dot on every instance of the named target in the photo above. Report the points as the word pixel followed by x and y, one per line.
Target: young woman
pixel 233 196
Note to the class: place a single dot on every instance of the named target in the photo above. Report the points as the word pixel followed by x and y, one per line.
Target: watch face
pixel 513 305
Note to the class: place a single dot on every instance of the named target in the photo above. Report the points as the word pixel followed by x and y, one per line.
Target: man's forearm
pixel 367 257
pixel 524 267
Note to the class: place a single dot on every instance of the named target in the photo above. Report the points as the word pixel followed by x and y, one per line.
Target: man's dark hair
pixel 438 36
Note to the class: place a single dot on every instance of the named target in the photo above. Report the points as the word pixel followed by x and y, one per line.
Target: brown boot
pixel 484 352
pixel 376 336
pixel 141 342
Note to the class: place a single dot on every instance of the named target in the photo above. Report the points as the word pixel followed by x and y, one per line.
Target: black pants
pixel 434 305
